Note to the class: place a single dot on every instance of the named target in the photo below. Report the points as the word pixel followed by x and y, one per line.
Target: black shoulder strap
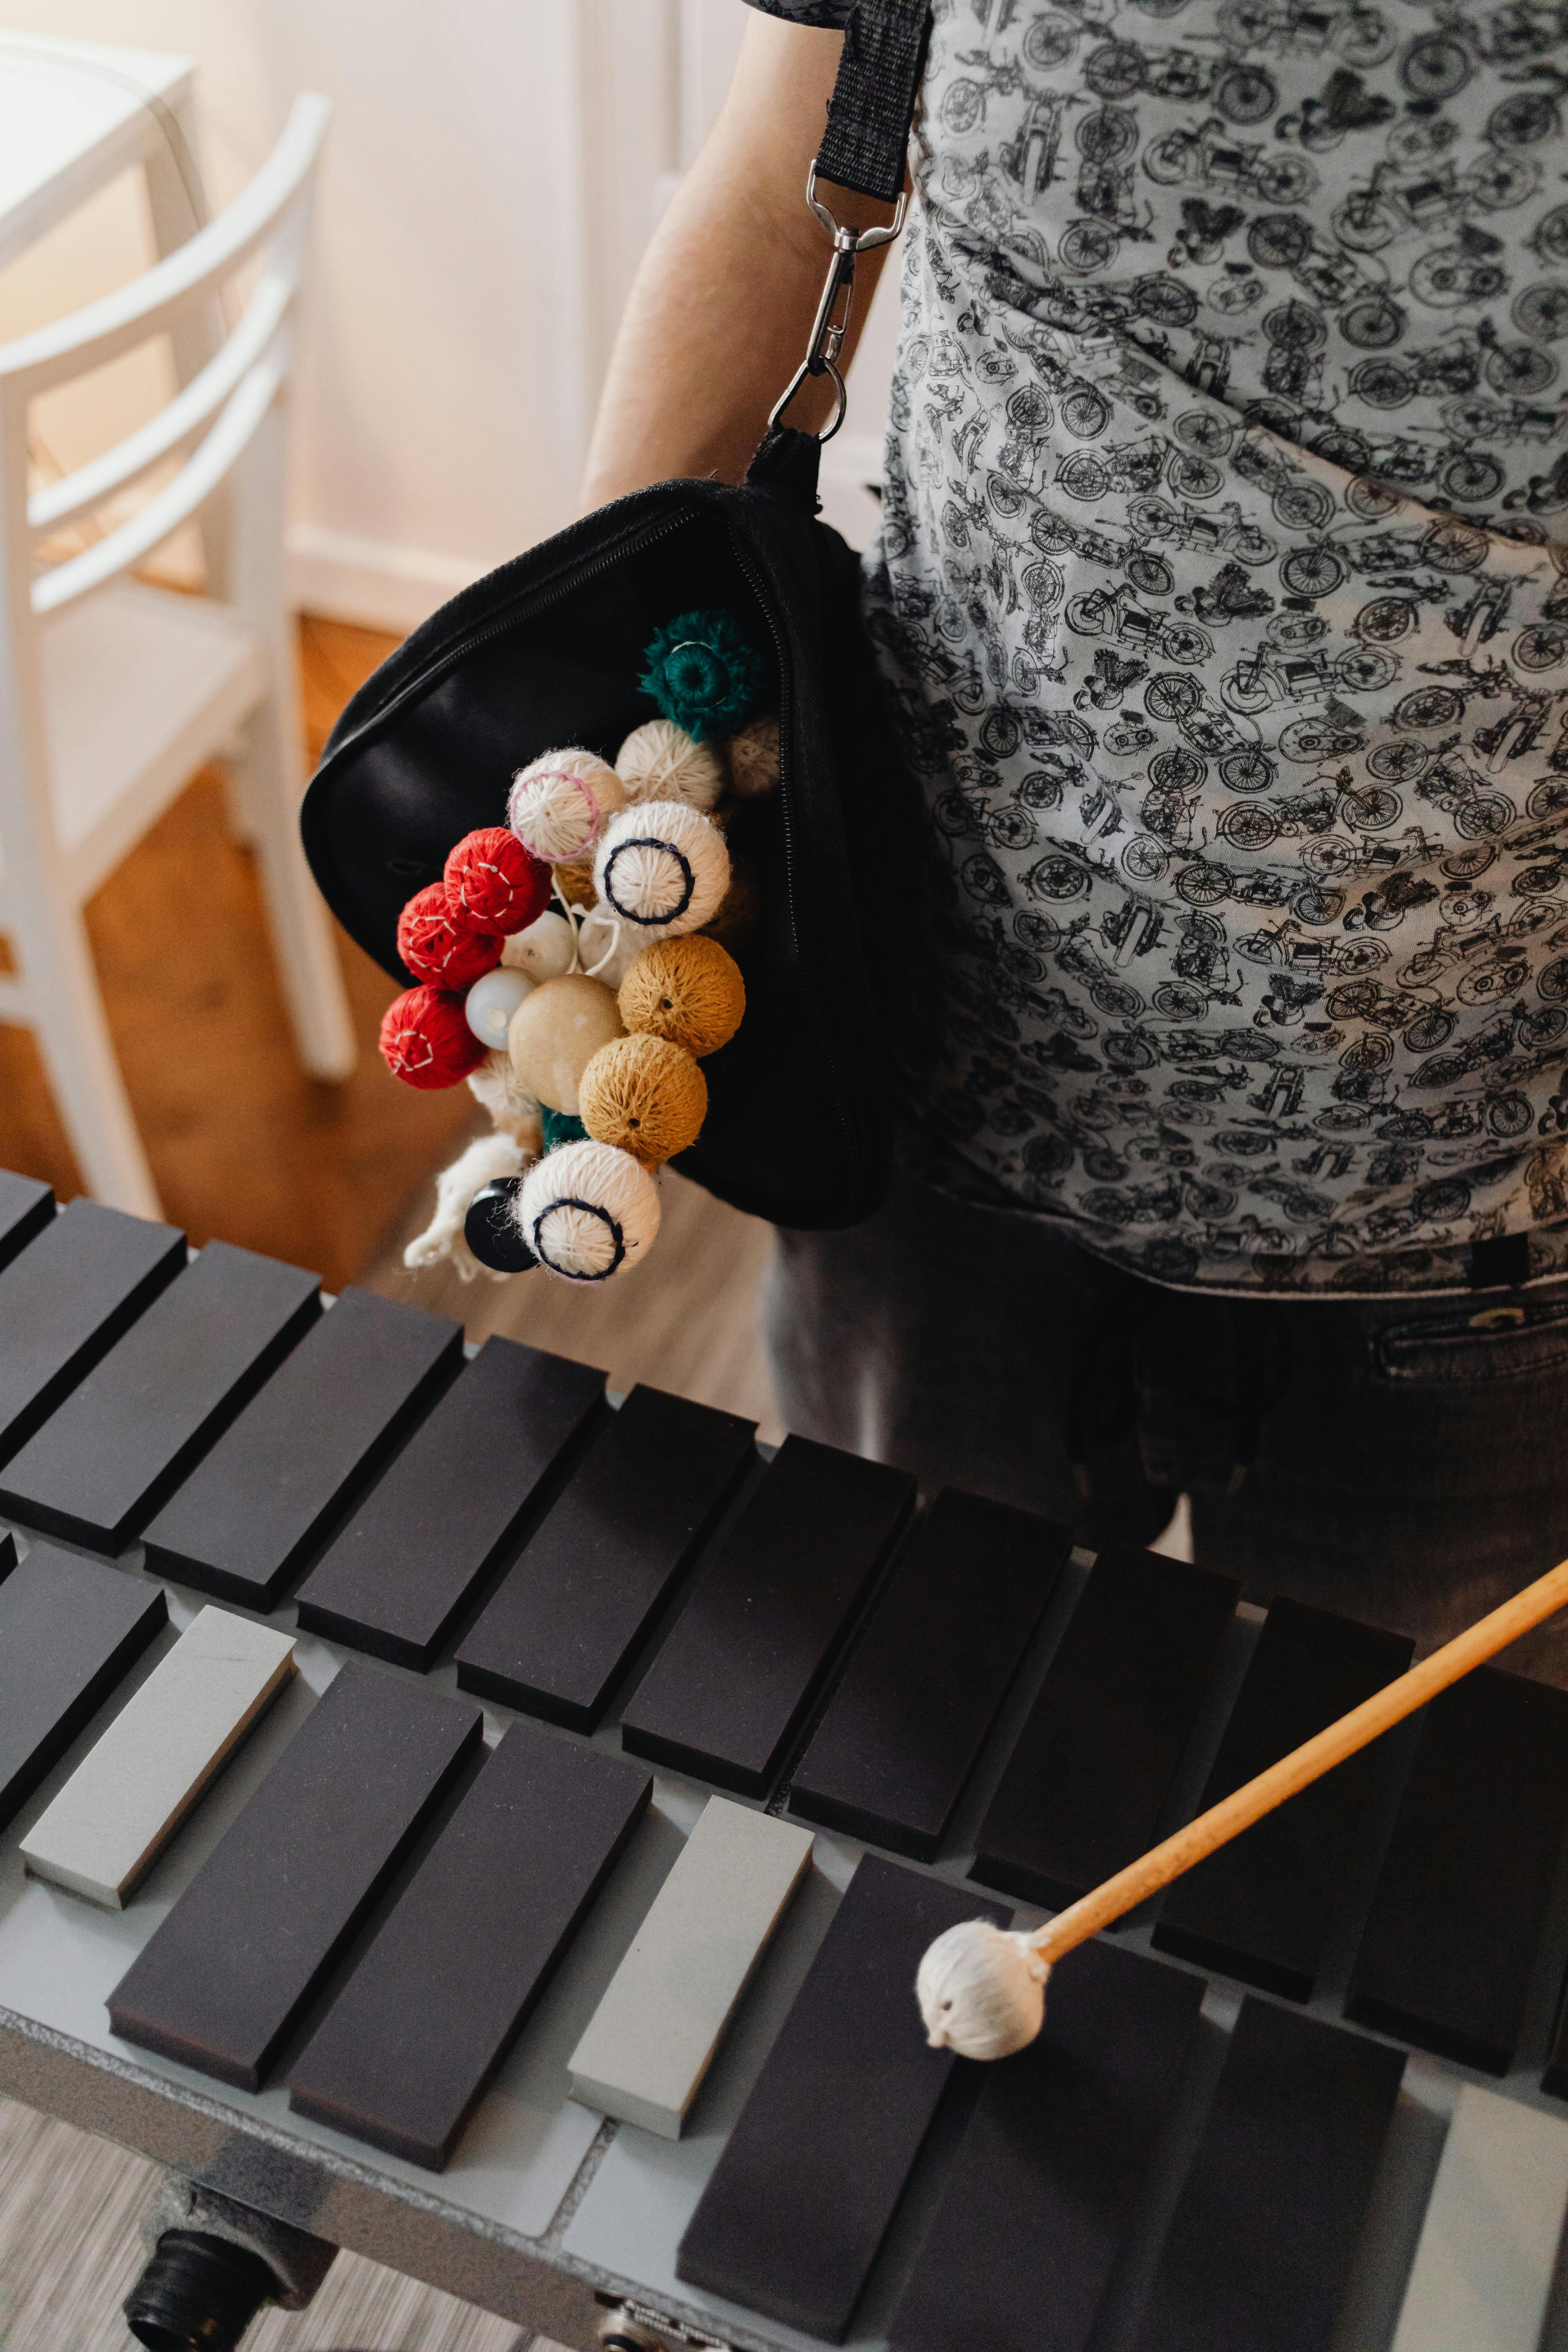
pixel 873 99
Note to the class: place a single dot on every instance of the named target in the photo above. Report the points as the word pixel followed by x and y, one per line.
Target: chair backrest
pixel 214 416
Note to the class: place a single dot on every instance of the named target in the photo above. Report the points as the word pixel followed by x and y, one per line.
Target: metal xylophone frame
pixel 604 2207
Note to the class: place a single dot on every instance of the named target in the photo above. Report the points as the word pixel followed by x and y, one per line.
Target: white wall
pixel 494 170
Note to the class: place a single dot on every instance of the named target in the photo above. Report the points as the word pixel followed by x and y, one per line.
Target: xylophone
pixel 400 1736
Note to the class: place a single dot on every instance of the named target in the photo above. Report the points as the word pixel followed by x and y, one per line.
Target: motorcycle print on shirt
pixel 1222 591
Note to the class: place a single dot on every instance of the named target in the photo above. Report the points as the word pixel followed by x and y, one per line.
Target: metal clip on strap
pixel 833 312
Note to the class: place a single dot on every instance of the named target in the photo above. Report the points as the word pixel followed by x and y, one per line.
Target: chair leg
pixel 302 928
pixel 237 770
pixel 67 1012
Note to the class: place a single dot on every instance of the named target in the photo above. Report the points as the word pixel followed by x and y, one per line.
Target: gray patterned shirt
pixel 1219 594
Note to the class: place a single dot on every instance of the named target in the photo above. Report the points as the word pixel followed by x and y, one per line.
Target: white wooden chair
pixel 112 693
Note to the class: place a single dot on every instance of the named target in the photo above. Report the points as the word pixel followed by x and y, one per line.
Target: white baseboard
pixel 371 581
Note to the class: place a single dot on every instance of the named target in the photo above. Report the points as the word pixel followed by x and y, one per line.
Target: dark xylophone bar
pixel 1081 1793
pixel 736 1676
pixel 25 1208
pixel 1263 1908
pixel 69 1632
pixel 802 2195
pixel 67 1297
pixel 1054 2154
pixel 571 1611
pixel 1448 1949
pixel 1261 2247
pixel 246 1945
pixel 411 1561
pixel 244 1522
pixel 98 1468
pixel 470 1947
pixel 901 1733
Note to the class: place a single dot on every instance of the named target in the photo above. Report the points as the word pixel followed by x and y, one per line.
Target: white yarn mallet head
pixel 559 804
pixel 660 762
pixel 982 1990
pixel 662 868
pixel 587 1211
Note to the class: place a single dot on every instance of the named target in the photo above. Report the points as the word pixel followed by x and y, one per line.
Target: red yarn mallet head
pixel 494 883
pixel 425 1039
pixel 439 945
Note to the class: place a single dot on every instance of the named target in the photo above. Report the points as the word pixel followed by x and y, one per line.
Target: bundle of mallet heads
pixel 572 966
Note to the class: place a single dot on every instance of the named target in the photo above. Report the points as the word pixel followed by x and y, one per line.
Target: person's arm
pixel 717 320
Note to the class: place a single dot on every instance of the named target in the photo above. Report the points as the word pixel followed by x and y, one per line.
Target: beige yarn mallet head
pixel 982 1989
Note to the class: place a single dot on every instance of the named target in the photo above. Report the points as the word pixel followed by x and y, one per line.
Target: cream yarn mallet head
pixel 982 1989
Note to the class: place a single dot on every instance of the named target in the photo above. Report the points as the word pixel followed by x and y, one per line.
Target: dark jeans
pixel 1402 1461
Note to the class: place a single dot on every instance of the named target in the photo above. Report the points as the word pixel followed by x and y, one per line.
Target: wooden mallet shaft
pixel 1304 1765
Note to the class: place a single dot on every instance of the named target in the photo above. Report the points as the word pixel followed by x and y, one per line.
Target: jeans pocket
pixel 1496 1343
